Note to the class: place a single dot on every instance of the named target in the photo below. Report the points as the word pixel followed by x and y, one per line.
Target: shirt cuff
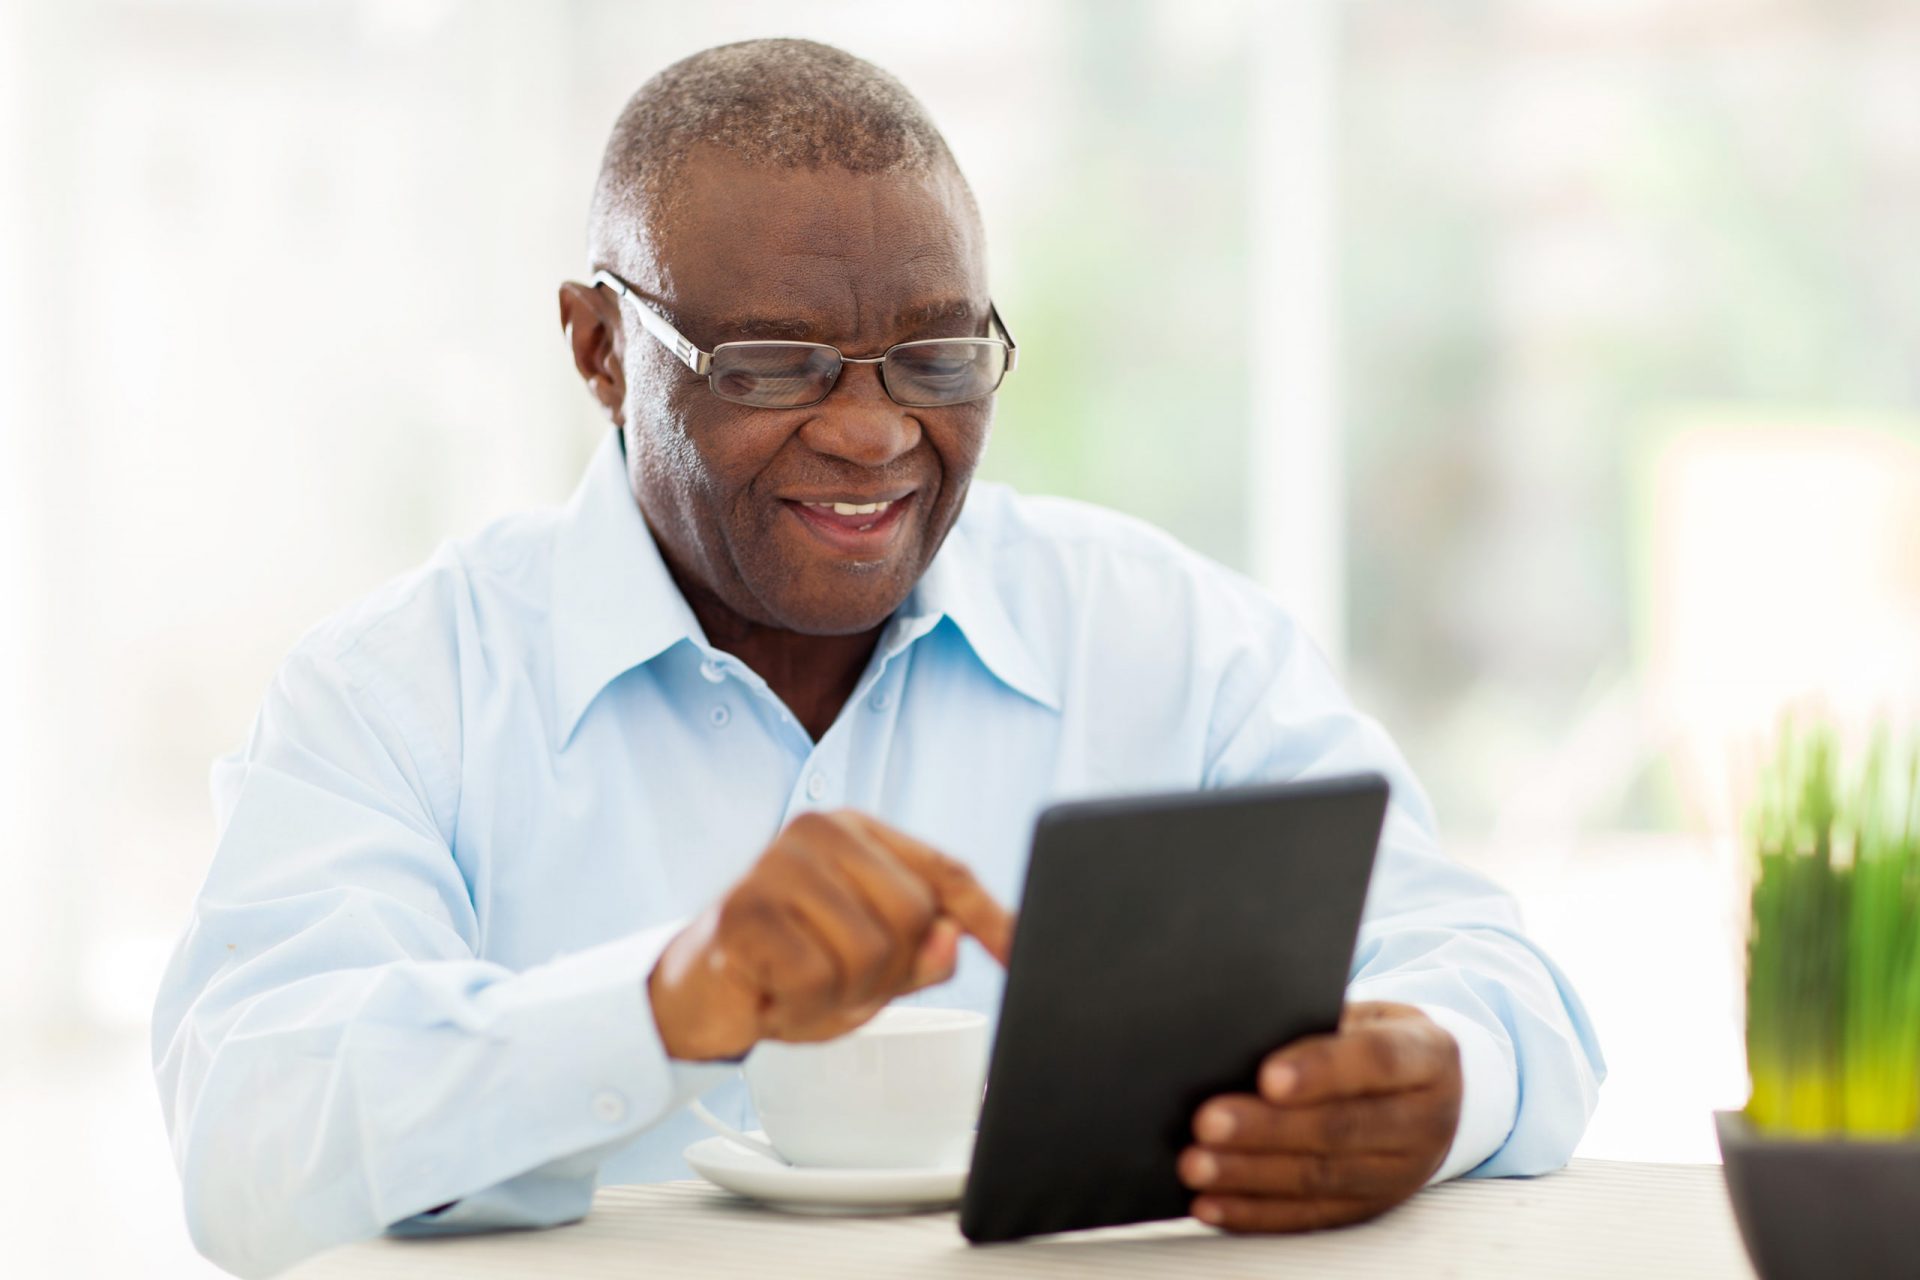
pixel 1489 1092
pixel 576 1058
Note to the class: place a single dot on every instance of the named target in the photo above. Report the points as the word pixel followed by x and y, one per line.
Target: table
pixel 1596 1218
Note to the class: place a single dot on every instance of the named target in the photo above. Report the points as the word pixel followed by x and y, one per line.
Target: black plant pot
pixel 1811 1209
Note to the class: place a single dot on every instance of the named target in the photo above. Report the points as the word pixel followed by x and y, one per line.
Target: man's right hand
pixel 841 914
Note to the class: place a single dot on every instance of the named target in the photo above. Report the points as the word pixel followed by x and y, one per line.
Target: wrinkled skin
pixel 857 261
pixel 841 913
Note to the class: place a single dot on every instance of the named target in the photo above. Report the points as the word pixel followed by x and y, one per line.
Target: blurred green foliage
pixel 1557 227
pixel 1833 954
pixel 1128 299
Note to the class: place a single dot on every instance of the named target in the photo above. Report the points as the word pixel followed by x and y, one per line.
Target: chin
pixel 863 597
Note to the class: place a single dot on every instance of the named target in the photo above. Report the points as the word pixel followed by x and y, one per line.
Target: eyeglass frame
pixel 701 362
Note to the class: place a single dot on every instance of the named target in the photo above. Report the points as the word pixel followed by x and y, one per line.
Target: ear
pixel 591 319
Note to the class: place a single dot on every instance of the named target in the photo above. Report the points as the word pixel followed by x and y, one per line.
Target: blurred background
pixel 1558 361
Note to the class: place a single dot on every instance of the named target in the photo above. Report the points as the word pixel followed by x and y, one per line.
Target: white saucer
pixel 747 1173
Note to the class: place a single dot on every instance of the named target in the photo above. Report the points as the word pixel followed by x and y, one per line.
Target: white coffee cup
pixel 901 1092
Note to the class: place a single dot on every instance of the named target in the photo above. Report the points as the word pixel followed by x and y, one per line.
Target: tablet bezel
pixel 1283 874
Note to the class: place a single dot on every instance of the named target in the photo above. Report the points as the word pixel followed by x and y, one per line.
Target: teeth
pixel 853 508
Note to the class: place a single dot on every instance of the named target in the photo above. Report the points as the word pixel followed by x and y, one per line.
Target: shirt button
pixel 816 787
pixel 881 700
pixel 712 671
pixel 609 1107
pixel 720 716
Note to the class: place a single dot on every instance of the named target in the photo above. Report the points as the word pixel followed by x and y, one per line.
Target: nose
pixel 859 423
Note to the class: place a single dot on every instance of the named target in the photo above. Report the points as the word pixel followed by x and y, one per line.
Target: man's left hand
pixel 1344 1127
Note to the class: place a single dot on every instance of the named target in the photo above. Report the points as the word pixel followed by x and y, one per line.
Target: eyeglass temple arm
pixel 1013 349
pixel 656 324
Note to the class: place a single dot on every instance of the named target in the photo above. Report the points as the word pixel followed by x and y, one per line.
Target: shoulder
pixel 1157 649
pixel 1161 649
pixel 404 658
pixel 496 580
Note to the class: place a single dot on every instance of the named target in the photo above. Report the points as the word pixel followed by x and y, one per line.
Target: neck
pixel 813 675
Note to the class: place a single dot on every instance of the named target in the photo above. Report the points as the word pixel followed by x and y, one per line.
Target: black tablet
pixel 1166 945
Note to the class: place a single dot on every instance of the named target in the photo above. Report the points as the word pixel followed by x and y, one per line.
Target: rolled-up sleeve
pixel 334 1059
pixel 1434 934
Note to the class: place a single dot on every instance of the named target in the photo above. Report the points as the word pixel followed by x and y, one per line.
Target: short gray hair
pixel 787 104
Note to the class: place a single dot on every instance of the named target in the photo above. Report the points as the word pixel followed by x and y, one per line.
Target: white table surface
pixel 1597 1218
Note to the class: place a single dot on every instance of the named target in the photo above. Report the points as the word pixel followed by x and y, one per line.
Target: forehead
pixel 852 248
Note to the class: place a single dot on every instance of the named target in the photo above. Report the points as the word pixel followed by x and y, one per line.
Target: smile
pixel 851 508
pixel 862 529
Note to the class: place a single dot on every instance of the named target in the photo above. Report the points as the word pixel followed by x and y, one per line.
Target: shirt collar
pixel 615 606
pixel 961 585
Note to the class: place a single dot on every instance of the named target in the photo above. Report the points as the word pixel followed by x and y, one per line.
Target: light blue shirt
pixel 474 808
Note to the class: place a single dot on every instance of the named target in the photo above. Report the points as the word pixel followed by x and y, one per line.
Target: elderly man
pixel 524 849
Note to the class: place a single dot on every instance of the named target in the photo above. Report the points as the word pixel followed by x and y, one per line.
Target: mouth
pixel 862 528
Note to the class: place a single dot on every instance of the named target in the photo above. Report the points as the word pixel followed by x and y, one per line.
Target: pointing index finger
pixel 960 895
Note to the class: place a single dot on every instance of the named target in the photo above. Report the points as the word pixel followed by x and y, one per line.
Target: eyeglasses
pixel 793 375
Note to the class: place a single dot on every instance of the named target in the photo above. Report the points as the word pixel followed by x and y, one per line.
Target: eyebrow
pixel 766 326
pixel 800 329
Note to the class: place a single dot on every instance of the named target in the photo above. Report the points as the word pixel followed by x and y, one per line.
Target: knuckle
pixel 743 912
pixel 1310 1063
pixel 774 869
pixel 1339 1128
pixel 1230 1171
pixel 946 869
pixel 812 977
pixel 1244 1215
pixel 1388 1054
pixel 1251 1121
pixel 903 900
pixel 955 877
pixel 1317 1176
pixel 918 911
pixel 870 953
pixel 805 827
pixel 846 825
pixel 1330 1060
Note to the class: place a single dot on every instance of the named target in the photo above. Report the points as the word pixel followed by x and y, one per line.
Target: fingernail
pixel 1278 1080
pixel 1202 1168
pixel 1216 1125
pixel 1207 1211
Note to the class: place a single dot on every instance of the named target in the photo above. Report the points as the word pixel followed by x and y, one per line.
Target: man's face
pixel 734 493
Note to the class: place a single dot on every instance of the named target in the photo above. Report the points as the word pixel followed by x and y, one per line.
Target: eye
pixel 773 374
pixel 936 364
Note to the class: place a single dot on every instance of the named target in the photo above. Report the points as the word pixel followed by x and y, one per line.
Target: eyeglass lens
pixel 789 375
pixel 774 375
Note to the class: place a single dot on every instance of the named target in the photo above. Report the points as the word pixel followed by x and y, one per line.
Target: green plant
pixel 1833 950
